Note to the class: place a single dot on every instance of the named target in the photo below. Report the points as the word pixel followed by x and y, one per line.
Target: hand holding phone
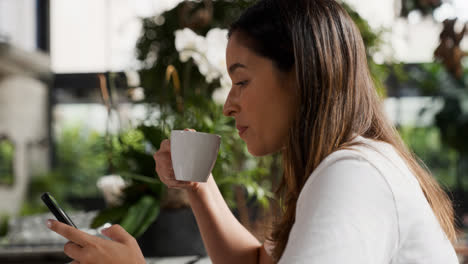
pixel 56 209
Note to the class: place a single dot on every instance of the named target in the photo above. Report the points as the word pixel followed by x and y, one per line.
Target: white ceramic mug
pixel 193 154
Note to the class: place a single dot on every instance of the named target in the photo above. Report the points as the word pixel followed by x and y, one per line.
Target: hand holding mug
pixel 187 159
pixel 163 161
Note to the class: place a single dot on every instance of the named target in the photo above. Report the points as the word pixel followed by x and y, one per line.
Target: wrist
pixel 200 188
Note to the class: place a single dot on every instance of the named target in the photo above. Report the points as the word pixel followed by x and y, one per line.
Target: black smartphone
pixel 56 209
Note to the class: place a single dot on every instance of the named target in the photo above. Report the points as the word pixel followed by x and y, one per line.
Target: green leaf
pixel 140 216
pixel 155 135
pixel 150 218
pixel 208 122
pixel 141 178
pixel 109 215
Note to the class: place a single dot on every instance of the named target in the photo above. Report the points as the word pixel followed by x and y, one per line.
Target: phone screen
pixel 53 206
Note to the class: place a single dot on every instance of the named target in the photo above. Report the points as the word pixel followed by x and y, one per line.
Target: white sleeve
pixel 346 214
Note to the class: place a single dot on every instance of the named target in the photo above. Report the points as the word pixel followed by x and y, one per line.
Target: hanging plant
pixel 426 7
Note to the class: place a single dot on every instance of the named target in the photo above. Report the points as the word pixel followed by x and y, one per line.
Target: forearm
pixel 225 239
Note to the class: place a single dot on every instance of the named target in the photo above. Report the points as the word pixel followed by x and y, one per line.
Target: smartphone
pixel 56 209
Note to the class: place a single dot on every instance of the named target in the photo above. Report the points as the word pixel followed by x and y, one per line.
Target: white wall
pixel 18 22
pixel 98 35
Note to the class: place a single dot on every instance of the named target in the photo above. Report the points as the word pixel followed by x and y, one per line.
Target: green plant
pixel 452 119
pixel 6 162
pixel 4 225
pixel 81 160
pixel 426 143
pixel 234 165
pixel 424 6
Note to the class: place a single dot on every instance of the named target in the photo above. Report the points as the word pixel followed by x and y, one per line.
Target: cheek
pixel 269 118
pixel 280 114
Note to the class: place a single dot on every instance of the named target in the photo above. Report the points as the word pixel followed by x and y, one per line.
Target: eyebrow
pixel 234 67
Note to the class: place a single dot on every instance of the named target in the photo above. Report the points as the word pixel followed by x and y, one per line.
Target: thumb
pixel 117 233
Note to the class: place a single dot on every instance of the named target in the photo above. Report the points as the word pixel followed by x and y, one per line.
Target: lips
pixel 241 129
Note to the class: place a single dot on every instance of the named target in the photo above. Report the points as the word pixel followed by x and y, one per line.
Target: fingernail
pixel 104 230
pixel 49 224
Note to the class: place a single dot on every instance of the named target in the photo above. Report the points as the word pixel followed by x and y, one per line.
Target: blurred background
pixel 89 89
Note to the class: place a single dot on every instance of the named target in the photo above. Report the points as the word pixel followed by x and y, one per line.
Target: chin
pixel 259 151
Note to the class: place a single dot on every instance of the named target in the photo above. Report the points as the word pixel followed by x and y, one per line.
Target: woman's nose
pixel 231 106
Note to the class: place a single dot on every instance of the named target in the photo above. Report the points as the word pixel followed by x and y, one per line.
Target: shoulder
pixel 353 181
pixel 366 152
pixel 346 178
pixel 368 163
pixel 343 205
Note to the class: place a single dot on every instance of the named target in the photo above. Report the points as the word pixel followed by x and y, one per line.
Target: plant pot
pixel 174 233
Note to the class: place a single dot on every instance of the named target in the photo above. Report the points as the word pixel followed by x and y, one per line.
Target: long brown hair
pixel 319 40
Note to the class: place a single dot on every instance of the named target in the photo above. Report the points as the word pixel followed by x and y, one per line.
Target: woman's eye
pixel 241 83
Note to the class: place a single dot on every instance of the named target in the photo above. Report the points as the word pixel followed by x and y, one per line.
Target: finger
pixel 175 184
pixel 164 149
pixel 164 168
pixel 178 184
pixel 165 145
pixel 164 159
pixel 189 186
pixel 118 234
pixel 73 250
pixel 190 129
pixel 73 234
pixel 75 262
pixel 165 173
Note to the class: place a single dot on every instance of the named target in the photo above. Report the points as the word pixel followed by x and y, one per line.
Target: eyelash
pixel 243 83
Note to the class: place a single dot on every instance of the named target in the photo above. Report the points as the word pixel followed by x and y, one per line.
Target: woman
pixel 351 191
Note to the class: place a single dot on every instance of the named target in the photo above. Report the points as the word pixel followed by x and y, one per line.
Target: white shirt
pixel 363 206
